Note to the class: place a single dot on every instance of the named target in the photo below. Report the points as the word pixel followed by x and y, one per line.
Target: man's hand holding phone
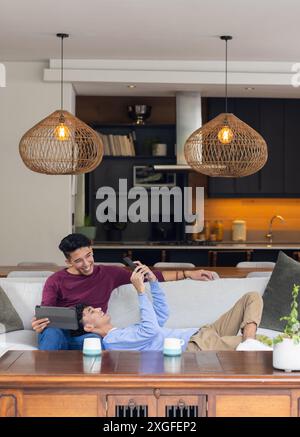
pixel 138 276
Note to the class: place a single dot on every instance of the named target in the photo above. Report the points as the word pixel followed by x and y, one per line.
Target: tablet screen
pixel 60 317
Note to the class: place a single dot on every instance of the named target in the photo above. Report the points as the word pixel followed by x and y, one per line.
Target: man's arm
pixel 138 336
pixel 49 298
pixel 50 293
pixel 160 304
pixel 199 275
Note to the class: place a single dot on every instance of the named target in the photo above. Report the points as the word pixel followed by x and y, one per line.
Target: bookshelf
pixel 108 116
pixel 136 140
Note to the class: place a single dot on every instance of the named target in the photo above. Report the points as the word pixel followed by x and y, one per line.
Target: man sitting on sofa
pixel 83 281
pixel 149 333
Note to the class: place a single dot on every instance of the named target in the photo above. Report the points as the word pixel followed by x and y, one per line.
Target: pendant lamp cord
pixel 62 74
pixel 226 38
pixel 226 76
pixel 62 36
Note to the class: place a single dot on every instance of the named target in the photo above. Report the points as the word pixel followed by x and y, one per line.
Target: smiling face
pixel 81 261
pixel 95 317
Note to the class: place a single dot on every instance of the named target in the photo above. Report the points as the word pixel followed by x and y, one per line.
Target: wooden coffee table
pixel 121 383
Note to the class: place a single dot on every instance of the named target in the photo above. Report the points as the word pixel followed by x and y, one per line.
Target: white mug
pixel 92 346
pixel 172 346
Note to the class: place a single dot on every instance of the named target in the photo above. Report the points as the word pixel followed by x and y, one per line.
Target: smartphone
pixel 129 263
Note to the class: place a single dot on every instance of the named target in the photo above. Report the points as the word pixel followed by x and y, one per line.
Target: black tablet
pixel 60 317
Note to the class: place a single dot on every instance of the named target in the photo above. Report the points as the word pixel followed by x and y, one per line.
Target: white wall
pixel 35 209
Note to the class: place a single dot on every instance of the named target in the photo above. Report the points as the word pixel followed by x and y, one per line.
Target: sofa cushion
pixel 191 303
pixel 19 340
pixel 278 294
pixel 9 318
pixel 24 296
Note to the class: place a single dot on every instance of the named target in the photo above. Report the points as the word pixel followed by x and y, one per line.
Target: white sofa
pixel 192 304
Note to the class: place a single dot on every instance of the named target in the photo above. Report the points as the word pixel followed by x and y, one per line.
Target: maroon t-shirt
pixel 64 289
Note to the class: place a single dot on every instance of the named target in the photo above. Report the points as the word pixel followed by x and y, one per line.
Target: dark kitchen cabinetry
pixel 276 120
pixel 208 257
pixel 292 147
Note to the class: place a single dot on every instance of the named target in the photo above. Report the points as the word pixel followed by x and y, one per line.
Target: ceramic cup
pixel 172 346
pixel 92 346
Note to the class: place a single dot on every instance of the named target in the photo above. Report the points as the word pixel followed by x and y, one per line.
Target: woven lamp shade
pixel 245 153
pixel 42 152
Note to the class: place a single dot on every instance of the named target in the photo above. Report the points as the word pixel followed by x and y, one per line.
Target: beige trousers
pixel 222 334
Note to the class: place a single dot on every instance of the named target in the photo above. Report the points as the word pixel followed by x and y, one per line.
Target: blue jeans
pixel 60 339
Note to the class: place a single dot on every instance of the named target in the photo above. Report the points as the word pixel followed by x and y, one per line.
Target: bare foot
pixel 249 331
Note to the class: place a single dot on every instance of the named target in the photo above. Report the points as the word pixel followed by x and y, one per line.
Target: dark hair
pixel 79 310
pixel 73 242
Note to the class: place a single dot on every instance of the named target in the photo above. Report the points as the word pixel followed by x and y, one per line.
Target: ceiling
pixel 262 30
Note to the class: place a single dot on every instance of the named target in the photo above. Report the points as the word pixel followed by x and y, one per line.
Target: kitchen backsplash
pixel 257 214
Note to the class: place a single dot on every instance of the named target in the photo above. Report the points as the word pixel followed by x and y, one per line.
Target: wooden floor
pixel 65 383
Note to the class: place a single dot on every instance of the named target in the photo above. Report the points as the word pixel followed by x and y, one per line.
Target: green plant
pixel 88 220
pixel 292 327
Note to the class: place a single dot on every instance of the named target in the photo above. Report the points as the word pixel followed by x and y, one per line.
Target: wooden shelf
pixel 148 157
pixel 96 125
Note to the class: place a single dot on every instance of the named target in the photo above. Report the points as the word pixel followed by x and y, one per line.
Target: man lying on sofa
pixel 149 333
pixel 83 281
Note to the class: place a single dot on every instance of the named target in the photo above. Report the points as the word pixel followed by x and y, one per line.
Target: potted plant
pixel 286 353
pixel 88 229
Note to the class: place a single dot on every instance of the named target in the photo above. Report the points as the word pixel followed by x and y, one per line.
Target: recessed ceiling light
pixel 249 88
pixel 131 86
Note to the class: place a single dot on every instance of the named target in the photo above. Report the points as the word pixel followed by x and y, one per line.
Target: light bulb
pixel 62 132
pixel 225 135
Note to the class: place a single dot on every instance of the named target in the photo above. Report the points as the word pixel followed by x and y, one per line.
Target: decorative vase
pixel 286 355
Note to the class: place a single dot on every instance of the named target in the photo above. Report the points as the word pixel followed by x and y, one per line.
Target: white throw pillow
pixel 24 296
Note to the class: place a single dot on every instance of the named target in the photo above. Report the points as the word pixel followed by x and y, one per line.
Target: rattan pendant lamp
pixel 226 146
pixel 61 144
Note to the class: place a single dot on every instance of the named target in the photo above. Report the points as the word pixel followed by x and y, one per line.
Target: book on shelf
pixel 118 145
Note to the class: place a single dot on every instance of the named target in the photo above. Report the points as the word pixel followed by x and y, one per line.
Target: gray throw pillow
pixel 277 297
pixel 9 318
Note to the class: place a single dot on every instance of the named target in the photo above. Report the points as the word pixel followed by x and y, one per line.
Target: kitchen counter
pixel 216 246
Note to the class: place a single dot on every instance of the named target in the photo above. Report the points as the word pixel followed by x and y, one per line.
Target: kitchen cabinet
pixel 292 150
pixel 276 121
pixel 248 111
pixel 219 256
